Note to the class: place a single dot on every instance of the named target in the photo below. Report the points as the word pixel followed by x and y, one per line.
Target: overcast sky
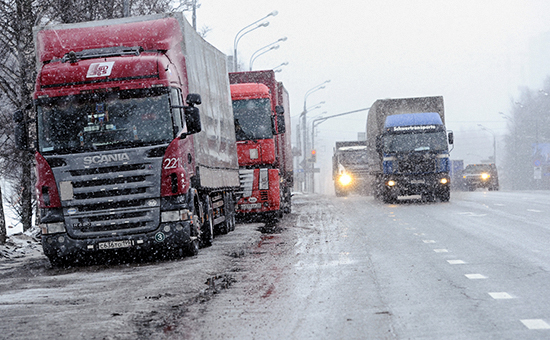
pixel 475 53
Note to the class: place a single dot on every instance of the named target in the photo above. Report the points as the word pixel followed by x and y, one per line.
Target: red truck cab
pixel 263 143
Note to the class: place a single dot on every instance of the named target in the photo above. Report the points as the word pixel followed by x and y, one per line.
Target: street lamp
pixel 303 124
pixel 494 141
pixel 238 36
pixel 276 68
pixel 254 56
pixel 259 54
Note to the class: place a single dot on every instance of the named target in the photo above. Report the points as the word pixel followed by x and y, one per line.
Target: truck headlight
pixel 485 176
pixel 444 180
pixel 264 179
pixel 174 216
pixel 52 228
pixel 391 183
pixel 345 179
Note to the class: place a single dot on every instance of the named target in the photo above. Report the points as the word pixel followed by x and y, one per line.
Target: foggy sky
pixel 476 54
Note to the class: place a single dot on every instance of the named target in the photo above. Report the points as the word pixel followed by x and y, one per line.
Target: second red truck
pixel 262 123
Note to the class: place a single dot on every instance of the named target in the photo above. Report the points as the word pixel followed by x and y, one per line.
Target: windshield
pixel 476 169
pixel 90 122
pixel 353 158
pixel 252 119
pixel 430 141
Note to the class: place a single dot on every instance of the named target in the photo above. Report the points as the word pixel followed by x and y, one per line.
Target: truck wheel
pixel 445 195
pixel 207 228
pixel 229 223
pixel 194 244
pixel 288 202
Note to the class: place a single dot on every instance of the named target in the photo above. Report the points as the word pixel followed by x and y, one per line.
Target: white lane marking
pixel 468 213
pixel 428 241
pixel 410 228
pixel 419 234
pixel 441 250
pixel 456 262
pixel 535 324
pixel 500 295
pixel 475 276
pixel 533 210
pixel 499 204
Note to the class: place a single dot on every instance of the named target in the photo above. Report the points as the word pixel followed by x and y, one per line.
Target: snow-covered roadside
pixel 21 245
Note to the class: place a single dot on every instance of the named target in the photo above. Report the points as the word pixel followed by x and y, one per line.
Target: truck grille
pixel 114 199
pixel 247 181
pixel 415 164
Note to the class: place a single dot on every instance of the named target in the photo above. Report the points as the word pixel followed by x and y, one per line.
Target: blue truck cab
pixel 415 157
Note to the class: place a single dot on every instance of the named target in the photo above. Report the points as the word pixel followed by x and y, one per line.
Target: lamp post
pixel 238 36
pixel 494 141
pixel 277 68
pixel 257 54
pixel 303 124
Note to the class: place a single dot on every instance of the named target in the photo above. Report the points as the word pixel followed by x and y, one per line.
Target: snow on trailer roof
pixel 412 119
pixel 352 148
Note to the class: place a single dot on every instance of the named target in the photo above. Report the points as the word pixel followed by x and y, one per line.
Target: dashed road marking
pixel 469 213
pixel 456 262
pixel 428 241
pixel 441 250
pixel 535 324
pixel 475 276
pixel 500 295
pixel 419 234
pixel 534 210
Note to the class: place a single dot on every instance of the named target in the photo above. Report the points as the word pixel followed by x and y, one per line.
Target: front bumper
pixel 417 185
pixel 167 236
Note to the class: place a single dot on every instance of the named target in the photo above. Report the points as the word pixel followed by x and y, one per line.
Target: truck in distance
pixel 262 123
pixel 483 175
pixel 407 149
pixel 124 158
pixel 350 168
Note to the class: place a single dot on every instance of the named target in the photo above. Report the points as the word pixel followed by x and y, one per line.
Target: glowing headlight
pixel 391 183
pixel 345 179
pixel 443 181
pixel 485 175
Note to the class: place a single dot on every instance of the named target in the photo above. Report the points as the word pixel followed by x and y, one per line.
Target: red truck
pixel 124 159
pixel 262 123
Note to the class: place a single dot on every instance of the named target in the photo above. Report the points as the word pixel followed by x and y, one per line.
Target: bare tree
pixel 17 74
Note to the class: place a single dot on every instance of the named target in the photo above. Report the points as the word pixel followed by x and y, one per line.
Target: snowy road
pixel 474 268
pixel 340 268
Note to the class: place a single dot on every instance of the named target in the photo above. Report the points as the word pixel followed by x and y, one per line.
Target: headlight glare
pixel 345 179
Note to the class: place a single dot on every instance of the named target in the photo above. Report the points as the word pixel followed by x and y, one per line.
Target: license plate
pixel 115 244
pixel 418 181
pixel 251 206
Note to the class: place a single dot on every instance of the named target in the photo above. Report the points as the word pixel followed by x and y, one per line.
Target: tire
pixel 288 201
pixel 207 228
pixel 229 223
pixel 445 195
pixel 194 244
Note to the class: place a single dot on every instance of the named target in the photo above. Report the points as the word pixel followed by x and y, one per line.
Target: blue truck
pixel 408 149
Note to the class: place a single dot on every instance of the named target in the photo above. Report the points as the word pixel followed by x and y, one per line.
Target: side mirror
pixel 281 128
pixel 451 138
pixel 379 144
pixel 192 119
pixel 193 99
pixel 280 114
